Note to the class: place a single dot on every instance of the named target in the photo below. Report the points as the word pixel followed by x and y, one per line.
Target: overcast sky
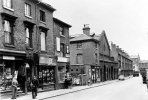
pixel 124 21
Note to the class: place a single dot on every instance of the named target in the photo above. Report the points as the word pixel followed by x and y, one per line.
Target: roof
pixel 46 5
pixel 143 61
pixel 82 37
pixel 59 21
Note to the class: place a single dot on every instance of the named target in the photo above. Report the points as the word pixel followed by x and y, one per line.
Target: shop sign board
pixel 45 60
pixel 8 58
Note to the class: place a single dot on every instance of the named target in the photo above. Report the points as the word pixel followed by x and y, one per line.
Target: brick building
pixel 125 64
pixel 136 61
pixel 143 65
pixel 27 45
pixel 61 37
pixel 90 56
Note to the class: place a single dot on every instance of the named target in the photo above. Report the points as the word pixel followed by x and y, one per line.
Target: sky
pixel 124 21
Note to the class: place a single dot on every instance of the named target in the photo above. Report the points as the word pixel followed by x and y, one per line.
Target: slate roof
pixel 82 37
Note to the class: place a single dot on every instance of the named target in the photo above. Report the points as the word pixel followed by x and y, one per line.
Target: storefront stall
pixel 46 73
pixel 10 65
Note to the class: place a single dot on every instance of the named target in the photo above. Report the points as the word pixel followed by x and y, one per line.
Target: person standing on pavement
pixel 14 87
pixel 34 85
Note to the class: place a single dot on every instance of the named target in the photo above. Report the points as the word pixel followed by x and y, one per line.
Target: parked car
pixel 121 77
pixel 136 74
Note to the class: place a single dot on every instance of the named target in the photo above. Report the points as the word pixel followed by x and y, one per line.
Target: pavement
pixel 60 92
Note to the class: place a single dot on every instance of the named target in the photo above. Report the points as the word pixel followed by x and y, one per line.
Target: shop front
pixel 46 73
pixel 95 74
pixel 11 63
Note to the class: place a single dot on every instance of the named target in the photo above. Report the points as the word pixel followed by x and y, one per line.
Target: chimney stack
pixel 86 29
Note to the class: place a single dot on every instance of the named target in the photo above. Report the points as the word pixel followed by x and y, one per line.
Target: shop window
pixel 61 72
pixel 7 3
pixel 8 31
pixel 42 16
pixel 27 10
pixel 46 76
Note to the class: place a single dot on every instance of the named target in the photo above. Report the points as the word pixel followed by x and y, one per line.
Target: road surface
pixel 130 89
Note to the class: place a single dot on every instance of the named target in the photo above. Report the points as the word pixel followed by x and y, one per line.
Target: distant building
pixel 136 61
pixel 143 64
pixel 124 62
pixel 90 55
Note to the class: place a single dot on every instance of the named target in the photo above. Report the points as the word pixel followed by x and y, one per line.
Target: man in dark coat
pixel 34 86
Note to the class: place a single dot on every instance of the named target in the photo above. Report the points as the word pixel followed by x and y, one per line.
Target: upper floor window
pixel 8 31
pixel 96 57
pixel 62 48
pixel 27 10
pixel 79 45
pixel 42 16
pixel 28 37
pixel 79 59
pixel 7 3
pixel 61 31
pixel 43 41
pixel 96 45
pixel 58 43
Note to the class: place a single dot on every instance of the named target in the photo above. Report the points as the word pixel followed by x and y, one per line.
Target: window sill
pixel 9 45
pixel 8 8
pixel 43 51
pixel 62 36
pixel 29 48
pixel 79 48
pixel 28 16
pixel 43 22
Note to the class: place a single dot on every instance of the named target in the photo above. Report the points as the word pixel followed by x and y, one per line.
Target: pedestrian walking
pixel 14 88
pixel 34 86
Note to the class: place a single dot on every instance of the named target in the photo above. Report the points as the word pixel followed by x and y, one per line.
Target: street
pixel 129 89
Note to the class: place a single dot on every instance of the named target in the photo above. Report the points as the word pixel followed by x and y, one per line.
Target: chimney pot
pixel 86 29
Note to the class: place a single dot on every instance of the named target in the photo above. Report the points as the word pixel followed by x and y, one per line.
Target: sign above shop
pixel 8 58
pixel 45 60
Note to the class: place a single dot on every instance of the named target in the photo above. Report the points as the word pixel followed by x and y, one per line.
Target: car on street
pixel 121 77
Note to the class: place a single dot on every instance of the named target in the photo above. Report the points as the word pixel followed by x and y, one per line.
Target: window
pixel 96 57
pixel 7 3
pixel 27 10
pixel 58 43
pixel 62 48
pixel 79 59
pixel 8 30
pixel 28 37
pixel 43 41
pixel 67 49
pixel 96 46
pixel 79 45
pixel 42 15
pixel 61 31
